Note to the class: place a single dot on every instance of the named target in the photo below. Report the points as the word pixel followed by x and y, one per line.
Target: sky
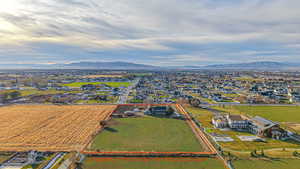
pixel 156 32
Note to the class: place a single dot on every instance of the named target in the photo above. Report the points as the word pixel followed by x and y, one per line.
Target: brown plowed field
pixel 50 127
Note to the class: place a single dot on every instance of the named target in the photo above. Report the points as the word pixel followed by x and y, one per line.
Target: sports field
pixel 267 164
pixel 111 84
pixel 49 127
pixel 147 134
pixel 152 163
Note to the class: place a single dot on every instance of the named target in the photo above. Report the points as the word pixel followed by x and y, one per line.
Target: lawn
pixel 112 84
pixel 275 113
pixel 152 163
pixel 202 115
pixel 239 145
pixel 147 134
pixel 272 164
pixel 31 166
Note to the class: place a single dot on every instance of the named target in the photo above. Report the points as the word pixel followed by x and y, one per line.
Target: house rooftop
pixel 235 117
pixel 262 122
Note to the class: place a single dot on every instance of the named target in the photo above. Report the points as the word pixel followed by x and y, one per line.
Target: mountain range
pixel 266 65
pixel 256 66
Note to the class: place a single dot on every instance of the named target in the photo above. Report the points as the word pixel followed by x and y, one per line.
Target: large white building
pixel 237 122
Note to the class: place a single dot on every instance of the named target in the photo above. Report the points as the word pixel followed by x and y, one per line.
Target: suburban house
pixel 230 121
pixel 88 87
pixel 159 110
pixel 220 122
pixel 257 125
pixel 162 111
pixel 266 128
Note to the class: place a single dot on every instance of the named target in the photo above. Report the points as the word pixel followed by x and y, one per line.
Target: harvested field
pixel 50 127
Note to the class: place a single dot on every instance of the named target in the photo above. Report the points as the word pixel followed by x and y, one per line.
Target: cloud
pixel 156 31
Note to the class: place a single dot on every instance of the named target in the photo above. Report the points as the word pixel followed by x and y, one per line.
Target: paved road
pixel 53 161
pixel 124 96
pixel 203 136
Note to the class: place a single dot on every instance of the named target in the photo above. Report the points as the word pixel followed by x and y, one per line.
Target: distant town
pixel 203 87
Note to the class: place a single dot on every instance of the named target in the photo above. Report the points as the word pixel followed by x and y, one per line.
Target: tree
pixel 295 153
pixel 14 94
pixel 170 111
pixel 195 102
pixel 78 165
pixel 103 123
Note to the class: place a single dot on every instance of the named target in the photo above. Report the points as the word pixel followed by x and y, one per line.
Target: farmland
pixel 267 164
pixel 154 134
pixel 49 127
pixel 152 163
pixel 111 84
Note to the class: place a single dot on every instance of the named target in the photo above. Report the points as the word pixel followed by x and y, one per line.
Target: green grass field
pixel 147 134
pixel 31 166
pixel 112 84
pixel 280 164
pixel 202 115
pixel 152 163
pixel 275 113
pixel 37 92
pixel 249 79
pixel 239 145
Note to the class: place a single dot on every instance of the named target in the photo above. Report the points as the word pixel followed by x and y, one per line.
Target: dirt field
pixel 49 127
pixel 294 127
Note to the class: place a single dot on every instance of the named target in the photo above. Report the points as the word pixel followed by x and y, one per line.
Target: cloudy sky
pixel 157 32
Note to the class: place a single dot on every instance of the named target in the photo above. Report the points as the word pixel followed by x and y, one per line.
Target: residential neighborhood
pixel 86 114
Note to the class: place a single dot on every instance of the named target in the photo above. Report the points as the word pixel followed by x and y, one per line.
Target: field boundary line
pixel 92 137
